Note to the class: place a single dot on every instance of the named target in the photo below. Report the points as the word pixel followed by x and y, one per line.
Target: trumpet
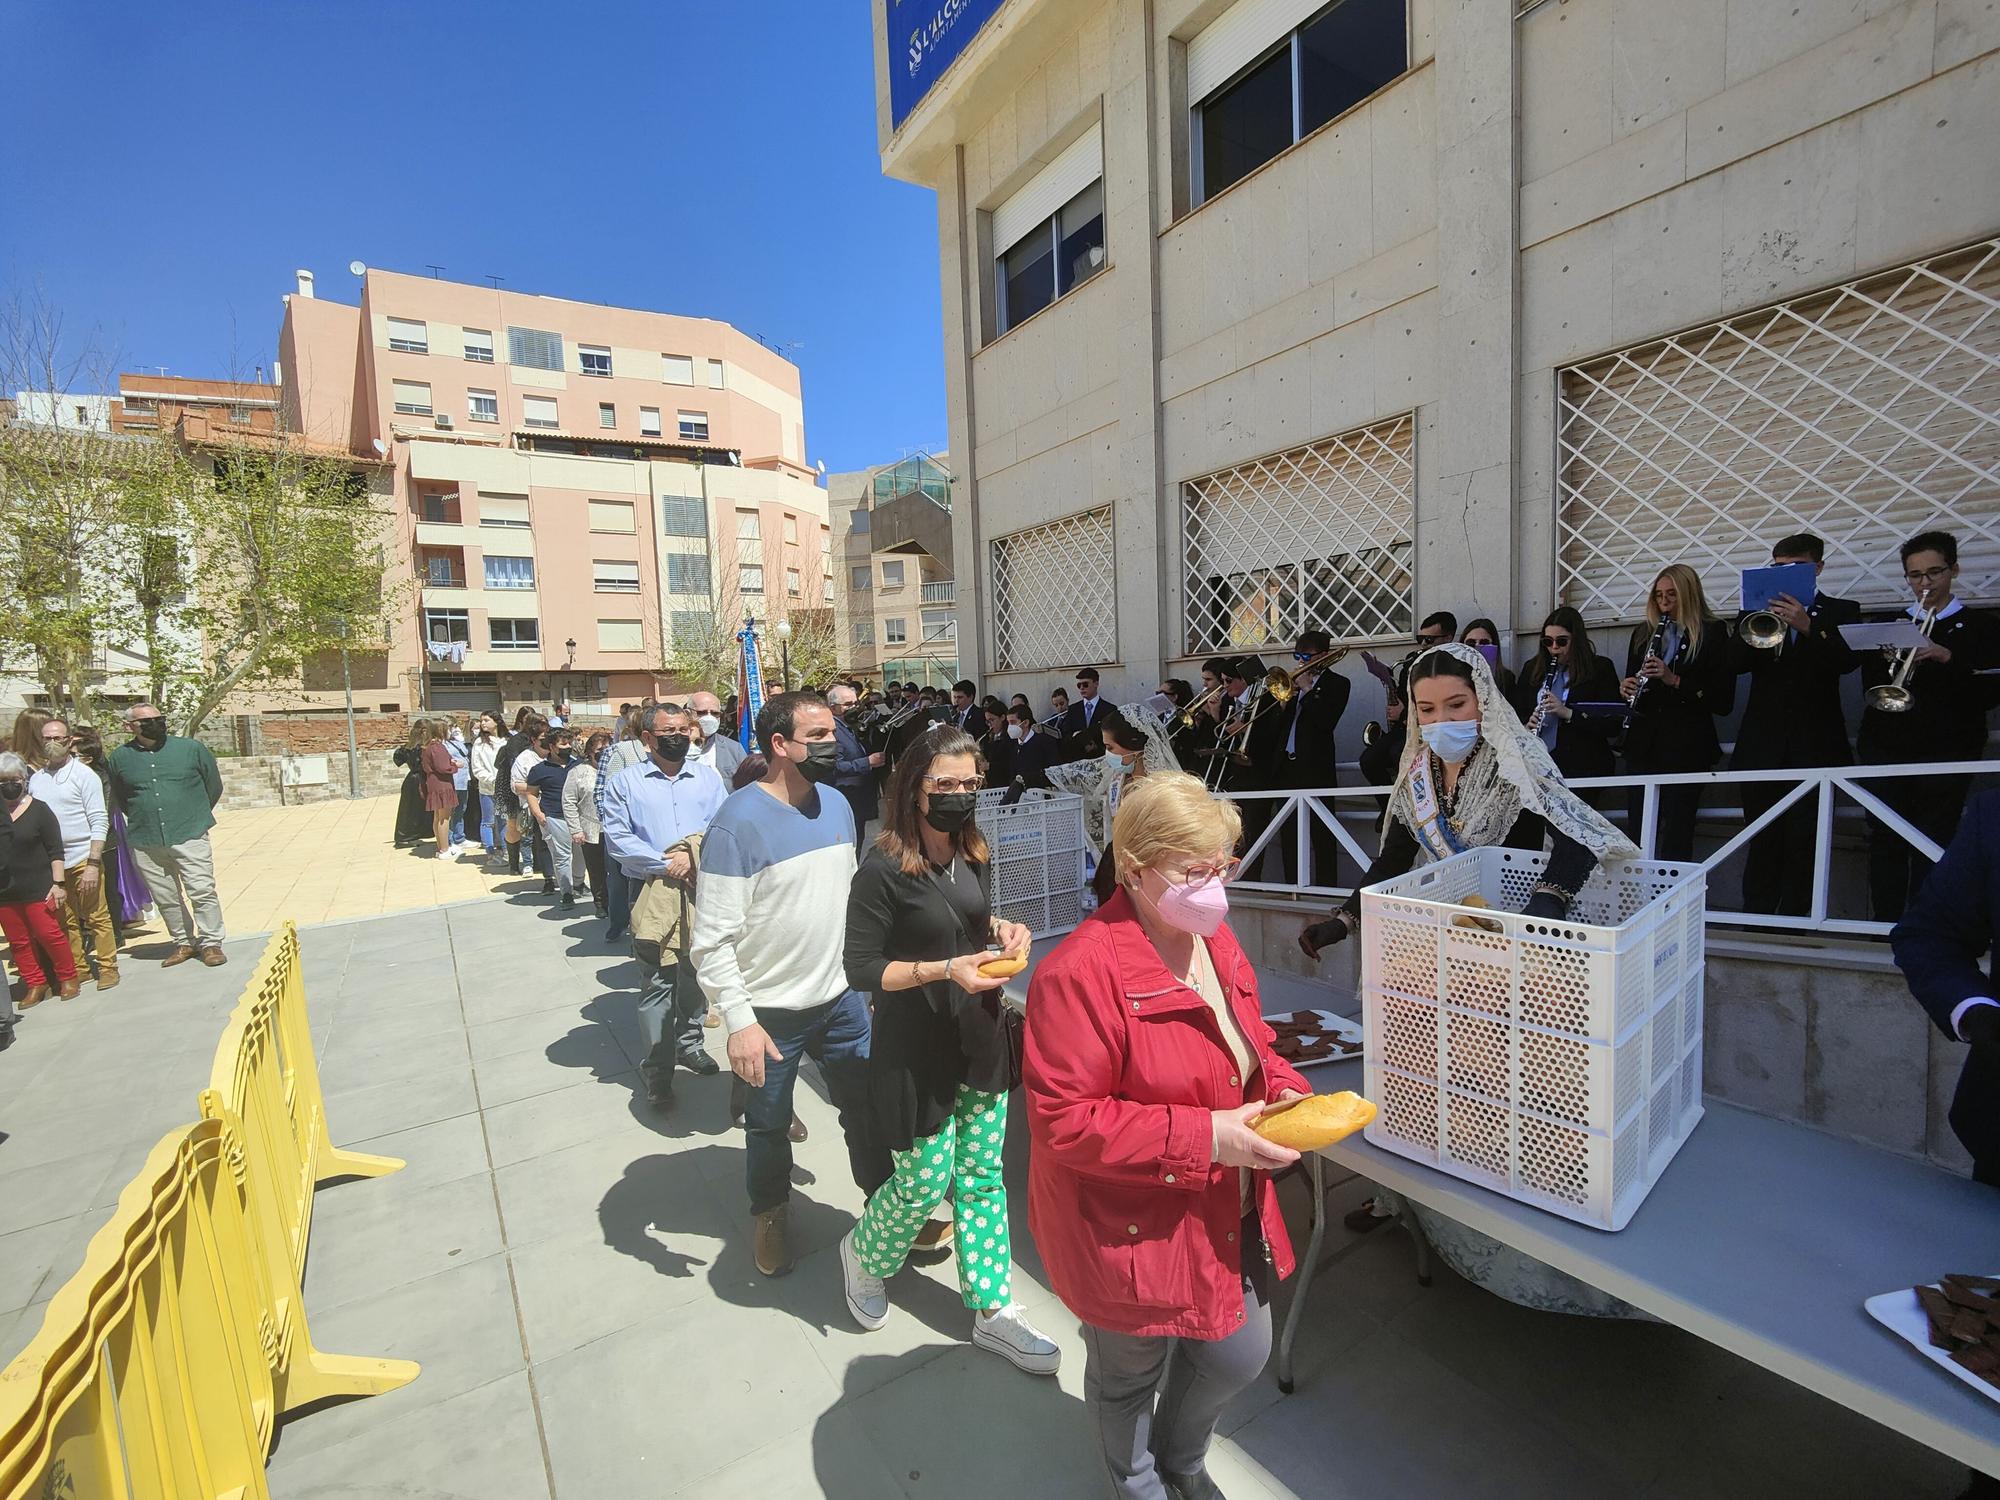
pixel 1894 696
pixel 1761 630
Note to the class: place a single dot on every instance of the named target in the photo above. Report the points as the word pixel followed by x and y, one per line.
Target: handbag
pixel 987 1009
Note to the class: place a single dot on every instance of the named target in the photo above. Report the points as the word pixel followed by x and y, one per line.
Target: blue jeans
pixel 618 901
pixel 458 820
pixel 489 834
pixel 835 1035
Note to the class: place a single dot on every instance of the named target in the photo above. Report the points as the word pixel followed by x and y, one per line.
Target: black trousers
pixel 1778 866
pixel 1932 805
pixel 1673 834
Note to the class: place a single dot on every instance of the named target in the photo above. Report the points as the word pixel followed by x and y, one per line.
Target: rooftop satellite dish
pixel 821 466
pixel 736 458
pixel 381 448
pixel 357 267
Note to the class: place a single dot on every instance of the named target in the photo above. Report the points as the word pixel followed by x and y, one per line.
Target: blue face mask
pixel 1452 740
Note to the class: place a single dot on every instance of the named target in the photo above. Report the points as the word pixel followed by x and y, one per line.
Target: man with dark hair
pixel 1306 758
pixel 1081 717
pixel 965 713
pixel 1793 719
pixel 1437 629
pixel 1252 731
pixel 1945 720
pixel 769 933
pixel 1034 751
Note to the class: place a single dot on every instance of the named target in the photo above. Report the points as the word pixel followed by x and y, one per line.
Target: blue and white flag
pixel 749 685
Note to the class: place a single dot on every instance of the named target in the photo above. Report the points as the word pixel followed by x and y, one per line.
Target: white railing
pixel 1297 812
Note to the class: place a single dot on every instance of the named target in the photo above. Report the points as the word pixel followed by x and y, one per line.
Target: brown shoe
pixel 180 955
pixel 107 979
pixel 774 1241
pixel 213 957
pixel 797 1130
pixel 37 993
pixel 69 989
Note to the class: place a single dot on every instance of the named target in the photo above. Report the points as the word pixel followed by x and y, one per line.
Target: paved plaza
pixel 572 1272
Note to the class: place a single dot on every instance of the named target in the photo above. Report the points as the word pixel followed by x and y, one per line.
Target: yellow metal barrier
pixel 163 1365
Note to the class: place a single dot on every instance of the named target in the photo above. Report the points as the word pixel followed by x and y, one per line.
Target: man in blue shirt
pixel 648 808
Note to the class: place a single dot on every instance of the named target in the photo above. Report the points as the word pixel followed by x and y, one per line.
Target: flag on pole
pixel 749 683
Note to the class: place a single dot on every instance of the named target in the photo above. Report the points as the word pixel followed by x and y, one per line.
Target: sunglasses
pixel 1555 642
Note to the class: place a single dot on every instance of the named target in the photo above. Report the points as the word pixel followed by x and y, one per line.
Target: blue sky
pixel 168 166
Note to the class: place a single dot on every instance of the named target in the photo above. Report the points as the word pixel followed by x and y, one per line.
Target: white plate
pixel 1329 1025
pixel 1903 1315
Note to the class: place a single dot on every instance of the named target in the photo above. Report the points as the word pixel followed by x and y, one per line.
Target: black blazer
pixel 1939 945
pixel 1673 728
pixel 1073 723
pixel 999 753
pixel 1316 714
pixel 1583 745
pixel 855 778
pixel 1794 716
pixel 1033 757
pixel 1948 719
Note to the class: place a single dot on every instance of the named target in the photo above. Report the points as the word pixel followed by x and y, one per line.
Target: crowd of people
pixel 94 839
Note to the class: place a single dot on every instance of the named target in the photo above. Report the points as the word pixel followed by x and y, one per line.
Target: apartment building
pixel 1277 313
pixel 896 598
pixel 156 405
pixel 579 487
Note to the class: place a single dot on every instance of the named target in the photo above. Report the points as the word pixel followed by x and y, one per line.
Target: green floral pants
pixel 966 1151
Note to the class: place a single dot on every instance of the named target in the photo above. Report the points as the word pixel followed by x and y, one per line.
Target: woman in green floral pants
pixel 941 1059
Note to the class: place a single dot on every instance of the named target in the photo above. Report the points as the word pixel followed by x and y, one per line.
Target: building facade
pixel 1262 314
pixel 897 596
pixel 156 405
pixel 590 498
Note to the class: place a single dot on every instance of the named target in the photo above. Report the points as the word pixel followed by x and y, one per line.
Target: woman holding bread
pixel 1148 1190
pixel 943 1056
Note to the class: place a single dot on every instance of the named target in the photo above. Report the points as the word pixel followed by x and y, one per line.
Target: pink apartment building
pixel 573 483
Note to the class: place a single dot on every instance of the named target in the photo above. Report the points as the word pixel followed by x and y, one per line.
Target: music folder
pixel 1763 585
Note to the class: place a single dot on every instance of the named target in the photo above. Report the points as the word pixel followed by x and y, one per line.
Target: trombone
pixel 1895 696
pixel 1279 686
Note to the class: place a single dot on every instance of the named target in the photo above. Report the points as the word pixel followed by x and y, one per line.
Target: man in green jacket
pixel 167 786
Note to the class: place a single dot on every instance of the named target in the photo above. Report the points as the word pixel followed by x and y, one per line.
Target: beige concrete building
pixel 1268 313
pixel 895 594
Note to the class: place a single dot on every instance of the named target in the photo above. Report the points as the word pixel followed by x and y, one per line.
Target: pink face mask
pixel 1197 907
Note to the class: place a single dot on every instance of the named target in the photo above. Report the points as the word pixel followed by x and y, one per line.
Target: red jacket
pixel 1138 1230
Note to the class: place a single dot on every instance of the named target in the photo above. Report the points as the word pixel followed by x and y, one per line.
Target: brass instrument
pixel 1894 696
pixel 1761 630
pixel 1279 686
pixel 1371 734
pixel 1185 719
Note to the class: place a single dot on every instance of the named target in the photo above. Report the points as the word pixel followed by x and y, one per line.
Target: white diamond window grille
pixel 1317 537
pixel 1054 595
pixel 1863 414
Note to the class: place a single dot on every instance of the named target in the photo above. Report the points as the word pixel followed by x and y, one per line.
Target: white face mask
pixel 709 723
pixel 1013 731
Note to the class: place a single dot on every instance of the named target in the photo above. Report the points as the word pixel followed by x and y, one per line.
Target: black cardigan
pixel 928 1040
pixel 29 845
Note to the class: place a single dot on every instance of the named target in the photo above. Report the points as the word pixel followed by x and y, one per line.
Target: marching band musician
pixel 1247 743
pixel 1678 679
pixel 1563 672
pixel 995 745
pixel 1793 719
pixel 1034 751
pixel 1306 756
pixel 1946 719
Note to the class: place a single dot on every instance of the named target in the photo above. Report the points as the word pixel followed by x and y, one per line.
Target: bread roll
pixel 1316 1121
pixel 1004 967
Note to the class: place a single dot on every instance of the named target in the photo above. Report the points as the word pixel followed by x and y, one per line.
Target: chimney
pixel 305 282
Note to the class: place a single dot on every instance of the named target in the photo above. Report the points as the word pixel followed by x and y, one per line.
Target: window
pixel 746 525
pixel 593 359
pixel 749 578
pixel 607 414
pixel 539 411
pixel 1255 93
pixel 614 577
pixel 791 530
pixel 858 522
pixel 504 510
pixel 439 506
pixel 649 421
pixel 443 569
pixel 864 632
pixel 479 345
pixel 535 347
pixel 892 575
pixel 694 426
pixel 715 375
pixel 83 415
pixel 683 515
pixel 793 583
pixel 240 415
pixel 413 397
pixel 691 624
pixel 860 579
pixel 136 406
pixel 826 589
pixel 895 632
pixel 678 369
pixel 687 573
pixel 1052 591
pixel 510 572
pixel 448 625
pixel 514 635
pixel 482 406
pixel 611 515
pixel 620 635
pixel 409 336
pixel 1049 236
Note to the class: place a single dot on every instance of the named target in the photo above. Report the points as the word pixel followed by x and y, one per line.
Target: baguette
pixel 1314 1122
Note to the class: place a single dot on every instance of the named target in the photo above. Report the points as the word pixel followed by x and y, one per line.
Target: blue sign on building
pixel 925 37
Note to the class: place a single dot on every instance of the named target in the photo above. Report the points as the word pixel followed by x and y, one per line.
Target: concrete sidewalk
pixel 572 1271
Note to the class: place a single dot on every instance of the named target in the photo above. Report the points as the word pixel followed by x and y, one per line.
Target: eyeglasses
pixel 1221 869
pixel 55 739
pixel 1554 642
pixel 1927 575
pixel 950 784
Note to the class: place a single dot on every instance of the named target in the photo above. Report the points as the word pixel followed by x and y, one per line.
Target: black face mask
pixel 671 747
pixel 154 729
pixel 821 762
pixel 950 811
pixel 10 791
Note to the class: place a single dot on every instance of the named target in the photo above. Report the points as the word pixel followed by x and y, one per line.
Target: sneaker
pixel 867 1296
pixel 447 854
pixel 774 1241
pixel 1009 1334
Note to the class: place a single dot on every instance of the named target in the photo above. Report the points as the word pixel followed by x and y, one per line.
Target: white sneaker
pixel 447 854
pixel 1009 1334
pixel 867 1296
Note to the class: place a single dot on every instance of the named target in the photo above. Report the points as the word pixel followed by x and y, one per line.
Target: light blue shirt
pixel 646 812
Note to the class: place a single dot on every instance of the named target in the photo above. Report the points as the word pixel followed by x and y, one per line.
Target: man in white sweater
pixel 769 930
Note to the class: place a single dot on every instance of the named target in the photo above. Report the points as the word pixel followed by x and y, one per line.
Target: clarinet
pixel 1652 649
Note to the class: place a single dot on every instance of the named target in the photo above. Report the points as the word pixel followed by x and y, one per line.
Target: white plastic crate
pixel 1037 858
pixel 1556 1062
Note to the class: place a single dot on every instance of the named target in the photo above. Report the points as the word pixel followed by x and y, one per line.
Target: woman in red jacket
pixel 1147 1058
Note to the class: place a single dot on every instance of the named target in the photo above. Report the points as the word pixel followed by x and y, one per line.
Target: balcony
pixel 941 593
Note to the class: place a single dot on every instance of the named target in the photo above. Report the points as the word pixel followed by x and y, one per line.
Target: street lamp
pixel 569 663
pixel 784 631
pixel 347 686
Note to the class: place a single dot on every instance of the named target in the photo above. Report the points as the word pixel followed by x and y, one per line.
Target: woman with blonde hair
pixel 28 735
pixel 1679 678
